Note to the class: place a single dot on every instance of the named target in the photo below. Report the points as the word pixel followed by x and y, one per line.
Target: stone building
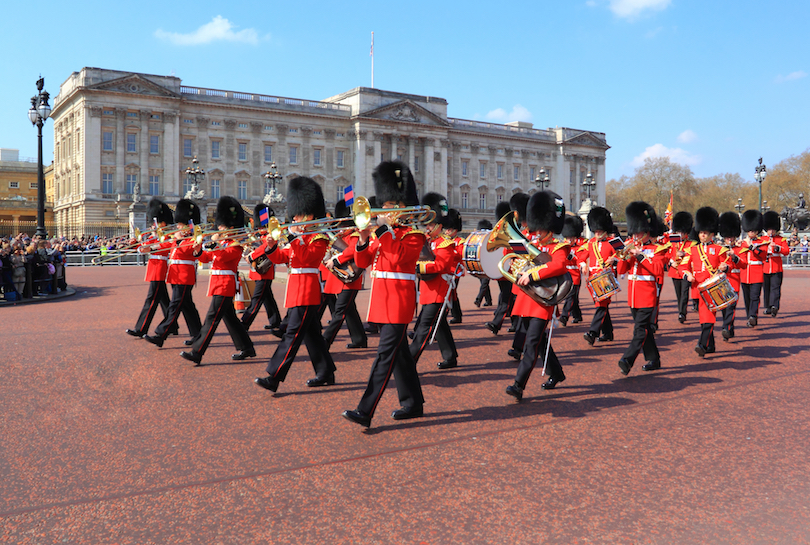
pixel 18 193
pixel 115 130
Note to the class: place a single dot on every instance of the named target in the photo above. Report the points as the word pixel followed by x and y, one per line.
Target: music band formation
pixel 410 247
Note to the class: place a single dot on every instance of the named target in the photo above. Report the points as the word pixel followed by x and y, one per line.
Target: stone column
pixel 411 151
pixel 559 180
pixel 120 149
pixel 360 179
pixel 378 138
pixel 429 178
pixel 442 181
pixel 91 149
pixel 143 153
pixel 203 154
pixel 171 153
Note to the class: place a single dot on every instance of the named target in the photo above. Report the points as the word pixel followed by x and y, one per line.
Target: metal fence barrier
pixel 114 257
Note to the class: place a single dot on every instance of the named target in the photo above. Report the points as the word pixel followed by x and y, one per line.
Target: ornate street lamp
pixel 759 176
pixel 739 206
pixel 589 183
pixel 195 175
pixel 272 177
pixel 764 208
pixel 38 113
pixel 542 181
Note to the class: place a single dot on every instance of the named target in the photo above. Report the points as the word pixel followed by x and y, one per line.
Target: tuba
pixel 549 291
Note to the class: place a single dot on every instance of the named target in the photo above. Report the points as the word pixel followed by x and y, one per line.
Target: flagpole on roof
pixel 372 59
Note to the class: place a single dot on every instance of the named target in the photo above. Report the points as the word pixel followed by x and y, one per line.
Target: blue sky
pixel 713 85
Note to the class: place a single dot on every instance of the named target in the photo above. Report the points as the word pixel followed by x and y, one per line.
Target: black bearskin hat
pixel 229 213
pixel 501 209
pixel 393 181
pixel 304 197
pixel 706 220
pixel 752 221
pixel 454 220
pixel 729 225
pixel 438 204
pixel 159 210
pixel 545 212
pixel 641 218
pixel 771 220
pixel 187 212
pixel 659 229
pixel 599 220
pixel 682 222
pixel 258 210
pixel 484 224
pixel 693 235
pixel 341 210
pixel 573 227
pixel 518 204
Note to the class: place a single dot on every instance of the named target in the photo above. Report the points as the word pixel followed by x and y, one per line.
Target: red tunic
pixel 733 273
pixel 302 256
pixel 556 267
pixel 594 253
pixel 182 263
pixel 642 274
pixel 447 257
pixel 224 266
pixel 575 256
pixel 158 264
pixel 704 262
pixel 773 261
pixel 393 281
pixel 758 251
pixel 271 272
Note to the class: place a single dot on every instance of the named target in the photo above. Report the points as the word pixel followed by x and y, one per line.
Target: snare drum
pixel 478 260
pixel 717 292
pixel 603 285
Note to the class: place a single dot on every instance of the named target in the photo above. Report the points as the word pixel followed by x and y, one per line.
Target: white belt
pixel 386 275
pixel 181 262
pixel 642 277
pixel 303 271
pixel 159 257
pixel 735 270
pixel 218 272
pixel 755 262
pixel 572 267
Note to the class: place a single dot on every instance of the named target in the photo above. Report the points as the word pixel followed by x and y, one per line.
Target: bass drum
pixel 478 260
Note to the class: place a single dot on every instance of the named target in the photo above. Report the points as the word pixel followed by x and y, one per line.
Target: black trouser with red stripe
pixel 728 318
pixel 429 320
pixel 506 300
pixel 345 309
pixel 772 290
pixel 571 305
pixel 521 329
pixel 181 302
pixel 303 326
pixel 601 322
pixel 682 294
pixel 222 309
pixel 535 349
pixel 262 295
pixel 707 337
pixel 643 337
pixel 484 294
pixel 157 295
pixel 393 356
pixel 751 298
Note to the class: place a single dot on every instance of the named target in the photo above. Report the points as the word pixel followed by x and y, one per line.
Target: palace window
pixel 293 155
pixel 14 185
pixel 416 164
pixel 242 151
pixel 243 125
pixel 341 158
pixel 268 153
pixel 500 171
pixel 154 185
pixel 482 169
pixel 154 143
pixel 316 157
pixel 215 184
pixel 482 200
pixel 107 183
pixel 132 180
pixel 464 166
pixel 340 192
pixel 464 198
pixel 242 189
pixel 132 143
pixel 517 173
pixel 186 147
pixel 215 149
pixel 106 141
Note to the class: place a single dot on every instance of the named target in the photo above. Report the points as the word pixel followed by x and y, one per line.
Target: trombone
pixel 362 213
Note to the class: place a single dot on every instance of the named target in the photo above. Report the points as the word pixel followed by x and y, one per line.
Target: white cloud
pixel 676 155
pixel 518 113
pixel 791 77
pixel 219 29
pixel 687 136
pixel 632 9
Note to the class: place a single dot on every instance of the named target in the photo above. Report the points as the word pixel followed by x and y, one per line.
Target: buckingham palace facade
pixel 116 130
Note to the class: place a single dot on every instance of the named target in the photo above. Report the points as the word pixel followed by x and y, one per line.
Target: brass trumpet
pixel 362 213
pixel 311 227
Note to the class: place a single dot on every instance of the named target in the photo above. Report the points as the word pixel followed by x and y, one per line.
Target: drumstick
pixel 548 345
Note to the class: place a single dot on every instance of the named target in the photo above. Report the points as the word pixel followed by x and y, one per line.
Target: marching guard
pixel 730 229
pixel 595 257
pixel 772 268
pixel 452 226
pixel 262 272
pixel 752 277
pixel 303 255
pixel 506 297
pixel 572 233
pixel 682 224
pixel 394 251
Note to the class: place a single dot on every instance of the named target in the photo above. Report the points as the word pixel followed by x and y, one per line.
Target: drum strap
pixel 705 259
pixel 597 252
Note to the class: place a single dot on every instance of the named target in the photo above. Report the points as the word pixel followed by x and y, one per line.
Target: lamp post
pixel 38 113
pixel 589 183
pixel 739 206
pixel 764 208
pixel 759 176
pixel 272 196
pixel 542 181
pixel 195 175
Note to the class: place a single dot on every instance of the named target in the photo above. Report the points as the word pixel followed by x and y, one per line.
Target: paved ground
pixel 106 439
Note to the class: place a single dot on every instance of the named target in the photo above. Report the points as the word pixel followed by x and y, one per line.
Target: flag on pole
pixel 348 195
pixel 264 217
pixel 668 213
pixel 371 53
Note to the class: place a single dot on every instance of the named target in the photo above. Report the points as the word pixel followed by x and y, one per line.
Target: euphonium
pixel 347 272
pixel 549 291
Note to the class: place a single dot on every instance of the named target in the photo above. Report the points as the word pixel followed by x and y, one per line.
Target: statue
pixel 136 193
pixel 801 203
pixel 798 218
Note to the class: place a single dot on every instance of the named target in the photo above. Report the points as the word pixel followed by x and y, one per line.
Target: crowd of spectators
pixel 32 266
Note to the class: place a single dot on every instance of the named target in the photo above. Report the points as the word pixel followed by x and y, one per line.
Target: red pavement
pixel 108 439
